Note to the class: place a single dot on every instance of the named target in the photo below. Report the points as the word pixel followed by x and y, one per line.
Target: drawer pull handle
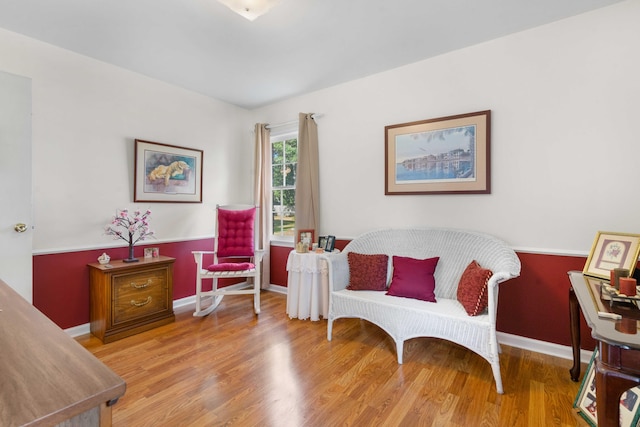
pixel 141 303
pixel 142 285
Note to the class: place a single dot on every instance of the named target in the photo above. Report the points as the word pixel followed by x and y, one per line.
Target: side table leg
pixel 610 384
pixel 574 321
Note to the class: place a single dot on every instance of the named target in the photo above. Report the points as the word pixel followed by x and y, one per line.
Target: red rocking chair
pixel 235 255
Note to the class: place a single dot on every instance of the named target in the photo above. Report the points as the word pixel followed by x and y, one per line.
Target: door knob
pixel 20 227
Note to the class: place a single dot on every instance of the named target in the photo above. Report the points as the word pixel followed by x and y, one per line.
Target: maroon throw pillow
pixel 367 272
pixel 413 278
pixel 473 290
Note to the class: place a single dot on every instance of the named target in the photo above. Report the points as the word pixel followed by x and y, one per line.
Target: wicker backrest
pixel 456 249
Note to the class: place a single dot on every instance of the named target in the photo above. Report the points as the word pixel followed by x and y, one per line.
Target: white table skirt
pixel 307 286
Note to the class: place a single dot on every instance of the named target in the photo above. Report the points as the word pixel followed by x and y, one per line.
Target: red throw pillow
pixel 413 278
pixel 473 290
pixel 367 272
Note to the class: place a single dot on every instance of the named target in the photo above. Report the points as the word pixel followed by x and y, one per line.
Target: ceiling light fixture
pixel 250 9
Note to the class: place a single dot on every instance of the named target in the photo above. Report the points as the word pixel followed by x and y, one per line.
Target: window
pixel 284 162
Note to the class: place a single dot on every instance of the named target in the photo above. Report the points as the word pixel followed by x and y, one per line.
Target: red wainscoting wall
pixel 61 281
pixel 535 305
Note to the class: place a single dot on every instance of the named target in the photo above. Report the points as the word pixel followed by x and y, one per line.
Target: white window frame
pixel 280 135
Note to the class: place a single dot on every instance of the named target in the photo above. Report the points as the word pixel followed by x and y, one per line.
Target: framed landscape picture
pixel 447 155
pixel 167 173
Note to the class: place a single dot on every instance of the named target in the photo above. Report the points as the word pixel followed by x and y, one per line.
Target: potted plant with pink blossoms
pixel 130 229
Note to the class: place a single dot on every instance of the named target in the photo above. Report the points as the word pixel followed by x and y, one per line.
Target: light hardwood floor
pixel 235 368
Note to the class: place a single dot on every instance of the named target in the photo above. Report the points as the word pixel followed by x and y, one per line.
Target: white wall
pixel 86 116
pixel 565 101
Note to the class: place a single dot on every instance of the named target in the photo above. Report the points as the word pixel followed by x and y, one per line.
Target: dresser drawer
pixel 139 294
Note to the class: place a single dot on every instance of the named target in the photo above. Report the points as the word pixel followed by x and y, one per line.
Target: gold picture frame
pixel 612 250
pixel 446 155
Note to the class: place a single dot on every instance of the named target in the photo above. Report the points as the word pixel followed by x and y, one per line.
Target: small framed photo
pixel 612 250
pixel 167 173
pixel 585 403
pixel 306 237
pixel 322 242
pixel 151 252
pixel 331 243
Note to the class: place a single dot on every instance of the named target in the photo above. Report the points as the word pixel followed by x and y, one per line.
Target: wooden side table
pixel 617 367
pixel 129 298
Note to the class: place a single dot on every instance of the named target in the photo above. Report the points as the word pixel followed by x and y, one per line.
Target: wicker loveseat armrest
pixel 338 270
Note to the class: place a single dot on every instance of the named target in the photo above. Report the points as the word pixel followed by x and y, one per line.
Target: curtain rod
pixel 313 116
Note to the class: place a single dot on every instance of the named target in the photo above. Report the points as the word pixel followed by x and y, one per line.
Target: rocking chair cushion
pixel 231 266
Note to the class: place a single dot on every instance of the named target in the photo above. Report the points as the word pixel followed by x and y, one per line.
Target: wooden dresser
pixel 128 298
pixel 46 377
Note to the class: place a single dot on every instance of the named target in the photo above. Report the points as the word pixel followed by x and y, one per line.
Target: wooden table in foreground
pixel 46 377
pixel 618 363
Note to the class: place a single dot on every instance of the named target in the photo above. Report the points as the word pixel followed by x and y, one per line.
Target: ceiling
pixel 299 46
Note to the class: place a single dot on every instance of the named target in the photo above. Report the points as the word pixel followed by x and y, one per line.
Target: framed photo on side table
pixel 306 237
pixel 331 243
pixel 322 242
pixel 612 250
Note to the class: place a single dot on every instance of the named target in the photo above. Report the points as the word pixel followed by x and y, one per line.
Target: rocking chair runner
pixel 235 255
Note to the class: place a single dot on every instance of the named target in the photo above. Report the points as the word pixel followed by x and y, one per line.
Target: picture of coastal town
pixel 443 155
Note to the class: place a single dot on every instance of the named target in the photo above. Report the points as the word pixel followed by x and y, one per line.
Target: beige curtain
pixel 262 195
pixel 307 176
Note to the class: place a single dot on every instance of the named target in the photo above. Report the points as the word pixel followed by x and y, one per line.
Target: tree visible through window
pixel 284 162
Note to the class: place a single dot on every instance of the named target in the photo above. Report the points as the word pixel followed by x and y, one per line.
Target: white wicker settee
pixel 406 318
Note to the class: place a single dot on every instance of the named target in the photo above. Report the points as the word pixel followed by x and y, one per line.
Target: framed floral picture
pixel 612 250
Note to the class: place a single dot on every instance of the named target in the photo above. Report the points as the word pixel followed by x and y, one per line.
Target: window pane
pixel 289 202
pixel 276 212
pixel 291 150
pixel 282 213
pixel 276 176
pixel 290 174
pixel 277 153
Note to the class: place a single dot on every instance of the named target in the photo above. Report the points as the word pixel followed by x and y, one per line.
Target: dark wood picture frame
pixel 167 173
pixel 445 155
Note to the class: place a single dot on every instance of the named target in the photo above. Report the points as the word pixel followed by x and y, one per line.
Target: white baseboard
pixel 551 349
pixel 278 289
